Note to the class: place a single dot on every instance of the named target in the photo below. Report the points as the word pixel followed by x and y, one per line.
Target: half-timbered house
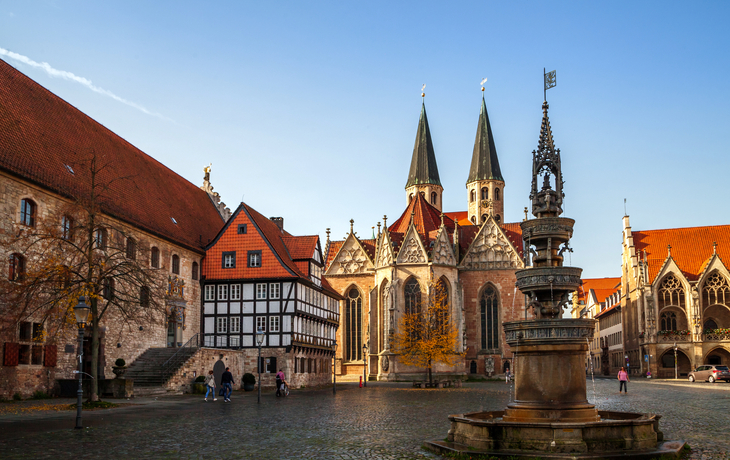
pixel 258 277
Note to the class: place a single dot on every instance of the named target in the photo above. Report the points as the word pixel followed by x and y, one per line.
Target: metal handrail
pixel 187 344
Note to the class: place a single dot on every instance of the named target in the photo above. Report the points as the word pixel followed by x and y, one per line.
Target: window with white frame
pixel 274 289
pixel 222 292
pixel 235 324
pixel 222 341
pixel 274 324
pixel 235 342
pixel 222 325
pixel 209 292
pixel 261 323
pixel 260 291
pixel 235 292
pixel 209 341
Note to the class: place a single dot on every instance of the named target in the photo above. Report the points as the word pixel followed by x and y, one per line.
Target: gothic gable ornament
pixel 443 254
pixel 350 259
pixel 385 253
pixel 412 250
pixel 491 250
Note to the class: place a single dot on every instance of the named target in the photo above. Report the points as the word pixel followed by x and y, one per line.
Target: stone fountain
pixel 550 416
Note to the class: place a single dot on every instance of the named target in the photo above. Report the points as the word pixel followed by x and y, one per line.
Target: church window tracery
pixel 668 321
pixel 671 292
pixel 489 304
pixel 353 326
pixel 412 295
pixel 715 291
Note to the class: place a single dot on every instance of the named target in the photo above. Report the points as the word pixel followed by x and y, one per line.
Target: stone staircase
pixel 153 368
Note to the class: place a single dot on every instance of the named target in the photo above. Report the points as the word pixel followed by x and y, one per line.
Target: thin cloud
pixel 69 76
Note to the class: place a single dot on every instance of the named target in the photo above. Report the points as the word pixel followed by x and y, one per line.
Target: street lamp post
pixel 259 342
pixel 81 311
pixel 675 360
pixel 364 364
pixel 334 366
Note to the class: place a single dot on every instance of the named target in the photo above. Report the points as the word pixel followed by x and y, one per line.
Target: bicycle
pixel 283 390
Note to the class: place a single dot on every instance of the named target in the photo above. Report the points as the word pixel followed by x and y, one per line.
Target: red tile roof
pixel 427 220
pixel 278 251
pixel 41 133
pixel 603 287
pixel 691 247
pixel 605 311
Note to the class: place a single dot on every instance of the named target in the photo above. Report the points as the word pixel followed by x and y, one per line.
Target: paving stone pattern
pixel 383 421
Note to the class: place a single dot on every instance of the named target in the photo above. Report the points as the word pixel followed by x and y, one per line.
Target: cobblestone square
pixel 382 421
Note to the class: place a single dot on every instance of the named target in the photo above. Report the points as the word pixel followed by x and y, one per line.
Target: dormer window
pixel 315 273
pixel 254 259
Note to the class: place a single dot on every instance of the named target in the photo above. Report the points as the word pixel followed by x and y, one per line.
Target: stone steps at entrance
pixel 147 370
pixel 154 391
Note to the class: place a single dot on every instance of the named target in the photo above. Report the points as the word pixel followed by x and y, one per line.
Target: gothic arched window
pixel 489 304
pixel 671 292
pixel 176 264
pixel 353 326
pixel 410 197
pixel 472 196
pixel 668 321
pixel 473 220
pixel 433 198
pixel 412 295
pixel 715 291
pixel 485 193
pixel 484 218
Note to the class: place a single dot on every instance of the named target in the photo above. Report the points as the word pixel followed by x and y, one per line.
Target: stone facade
pixel 119 339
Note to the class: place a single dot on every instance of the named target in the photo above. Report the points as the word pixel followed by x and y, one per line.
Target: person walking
pixel 507 376
pixel 623 379
pixel 227 384
pixel 280 381
pixel 210 386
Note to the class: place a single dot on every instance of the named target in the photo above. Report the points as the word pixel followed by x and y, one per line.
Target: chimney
pixel 279 221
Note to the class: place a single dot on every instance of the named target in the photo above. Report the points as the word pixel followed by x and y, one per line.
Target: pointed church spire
pixel 423 164
pixel 485 184
pixel 484 161
pixel 423 177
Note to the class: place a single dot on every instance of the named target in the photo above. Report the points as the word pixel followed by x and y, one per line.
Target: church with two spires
pixel 472 254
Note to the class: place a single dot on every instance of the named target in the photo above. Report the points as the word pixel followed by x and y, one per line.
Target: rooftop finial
pixel 714 247
pixel 352 221
pixel 385 222
pixel 328 234
pixel 423 94
pixel 669 250
pixel 484 80
pixel 442 219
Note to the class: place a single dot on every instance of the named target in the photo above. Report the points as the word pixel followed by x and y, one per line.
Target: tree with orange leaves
pixel 426 335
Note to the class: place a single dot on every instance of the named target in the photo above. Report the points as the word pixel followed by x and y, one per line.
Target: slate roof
pixel 283 256
pixel 40 134
pixel 691 248
pixel 484 160
pixel 423 163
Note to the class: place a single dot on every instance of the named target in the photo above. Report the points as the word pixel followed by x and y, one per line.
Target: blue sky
pixel 308 110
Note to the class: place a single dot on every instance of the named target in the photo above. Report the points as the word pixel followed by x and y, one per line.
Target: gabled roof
pixel 602 287
pixel 423 164
pixel 484 161
pixel 426 218
pixel 279 250
pixel 40 134
pixel 691 247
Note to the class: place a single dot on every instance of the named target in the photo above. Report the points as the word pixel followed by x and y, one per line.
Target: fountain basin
pixel 543 279
pixel 624 434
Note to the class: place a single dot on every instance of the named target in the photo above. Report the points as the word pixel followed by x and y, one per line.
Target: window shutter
pixel 11 354
pixel 50 356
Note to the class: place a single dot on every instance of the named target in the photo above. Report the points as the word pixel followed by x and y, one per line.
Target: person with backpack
pixel 226 383
pixel 210 386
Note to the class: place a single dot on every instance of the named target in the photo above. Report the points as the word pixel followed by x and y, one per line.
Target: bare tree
pixel 78 250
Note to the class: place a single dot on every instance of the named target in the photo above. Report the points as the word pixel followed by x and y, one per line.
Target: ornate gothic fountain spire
pixel 548 201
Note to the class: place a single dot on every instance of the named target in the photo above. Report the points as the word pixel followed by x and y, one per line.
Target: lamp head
pixel 81 311
pixel 334 345
pixel 259 336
